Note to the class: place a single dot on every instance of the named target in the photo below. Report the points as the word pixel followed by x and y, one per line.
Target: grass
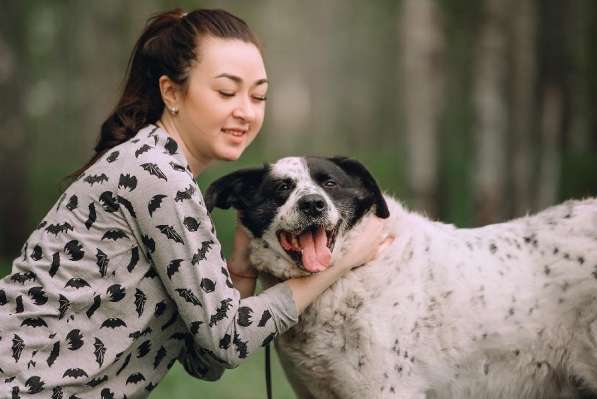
pixel 245 382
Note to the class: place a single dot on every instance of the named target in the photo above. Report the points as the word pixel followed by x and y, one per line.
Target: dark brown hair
pixel 168 46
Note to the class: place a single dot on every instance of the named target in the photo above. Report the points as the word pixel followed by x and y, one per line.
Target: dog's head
pixel 299 209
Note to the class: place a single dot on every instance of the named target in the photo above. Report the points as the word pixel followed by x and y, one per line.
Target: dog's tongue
pixel 316 254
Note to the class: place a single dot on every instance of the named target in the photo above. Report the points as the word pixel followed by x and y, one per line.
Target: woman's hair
pixel 169 45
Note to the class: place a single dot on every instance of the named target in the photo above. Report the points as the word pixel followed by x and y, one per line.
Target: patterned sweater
pixel 123 277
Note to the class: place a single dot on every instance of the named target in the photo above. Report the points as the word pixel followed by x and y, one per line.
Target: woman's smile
pixel 235 132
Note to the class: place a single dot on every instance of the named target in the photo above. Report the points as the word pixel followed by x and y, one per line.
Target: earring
pixel 174 111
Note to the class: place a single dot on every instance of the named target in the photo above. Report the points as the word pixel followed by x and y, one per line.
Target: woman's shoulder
pixel 151 157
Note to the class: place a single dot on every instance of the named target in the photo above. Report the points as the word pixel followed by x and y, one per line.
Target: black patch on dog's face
pixel 258 194
pixel 254 192
pixel 350 186
pixel 258 211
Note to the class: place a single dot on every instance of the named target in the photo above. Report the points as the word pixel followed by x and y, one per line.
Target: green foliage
pixel 580 179
pixel 4 267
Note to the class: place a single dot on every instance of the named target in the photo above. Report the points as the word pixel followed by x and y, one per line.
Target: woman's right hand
pixel 367 240
pixel 361 251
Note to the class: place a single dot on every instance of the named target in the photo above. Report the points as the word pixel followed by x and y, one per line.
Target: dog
pixel 503 311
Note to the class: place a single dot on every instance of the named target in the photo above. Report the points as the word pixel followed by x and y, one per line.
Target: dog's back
pixel 502 311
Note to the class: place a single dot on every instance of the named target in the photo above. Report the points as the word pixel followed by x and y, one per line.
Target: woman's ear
pixel 170 91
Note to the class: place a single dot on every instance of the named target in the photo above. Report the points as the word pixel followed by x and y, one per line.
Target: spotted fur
pixel 502 311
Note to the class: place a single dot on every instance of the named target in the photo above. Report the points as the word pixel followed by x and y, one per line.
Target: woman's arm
pixel 172 228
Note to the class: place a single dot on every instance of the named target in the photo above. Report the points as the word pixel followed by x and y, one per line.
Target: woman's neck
pixel 197 165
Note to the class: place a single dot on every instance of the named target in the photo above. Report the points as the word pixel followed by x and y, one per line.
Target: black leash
pixel 268 372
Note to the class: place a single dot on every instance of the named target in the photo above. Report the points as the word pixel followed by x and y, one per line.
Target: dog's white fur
pixel 504 311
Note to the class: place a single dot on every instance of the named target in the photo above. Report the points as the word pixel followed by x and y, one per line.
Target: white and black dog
pixel 503 311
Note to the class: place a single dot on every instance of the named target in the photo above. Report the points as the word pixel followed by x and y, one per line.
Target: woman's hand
pixel 239 261
pixel 242 273
pixel 367 240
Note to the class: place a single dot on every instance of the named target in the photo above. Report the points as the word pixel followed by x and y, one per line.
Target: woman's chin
pixel 231 151
pixel 230 154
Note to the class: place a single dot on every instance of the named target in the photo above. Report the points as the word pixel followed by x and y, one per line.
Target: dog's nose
pixel 312 205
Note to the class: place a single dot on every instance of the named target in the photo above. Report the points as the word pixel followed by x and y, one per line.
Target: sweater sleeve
pixel 199 363
pixel 168 216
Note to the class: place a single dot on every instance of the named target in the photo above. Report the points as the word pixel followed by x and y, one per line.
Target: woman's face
pixel 224 105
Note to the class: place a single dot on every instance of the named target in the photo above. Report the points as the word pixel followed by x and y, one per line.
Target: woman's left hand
pixel 239 264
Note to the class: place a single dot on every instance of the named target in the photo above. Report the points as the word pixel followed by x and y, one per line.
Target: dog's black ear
pixel 233 189
pixel 354 168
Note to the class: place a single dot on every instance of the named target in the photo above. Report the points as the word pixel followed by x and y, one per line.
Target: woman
pixel 124 275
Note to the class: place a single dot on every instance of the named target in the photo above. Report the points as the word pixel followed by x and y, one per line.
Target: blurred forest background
pixel 472 111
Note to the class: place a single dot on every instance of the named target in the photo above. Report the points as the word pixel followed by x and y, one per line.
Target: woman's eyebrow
pixel 239 80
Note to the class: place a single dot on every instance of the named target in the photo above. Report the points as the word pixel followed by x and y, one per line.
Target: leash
pixel 268 372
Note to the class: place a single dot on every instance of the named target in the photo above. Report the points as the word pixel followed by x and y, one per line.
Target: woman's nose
pixel 245 110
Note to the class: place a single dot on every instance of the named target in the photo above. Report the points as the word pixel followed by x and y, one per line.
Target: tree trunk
pixel 289 117
pixel 422 44
pixel 550 161
pixel 558 97
pixel 491 113
pixel 522 106
pixel 581 39
pixel 13 149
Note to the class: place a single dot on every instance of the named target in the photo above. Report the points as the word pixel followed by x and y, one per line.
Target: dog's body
pixel 504 311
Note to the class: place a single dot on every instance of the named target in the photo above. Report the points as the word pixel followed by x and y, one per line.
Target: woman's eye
pixel 226 94
pixel 260 98
pixel 330 183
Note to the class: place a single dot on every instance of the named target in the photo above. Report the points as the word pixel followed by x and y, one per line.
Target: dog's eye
pixel 330 183
pixel 283 187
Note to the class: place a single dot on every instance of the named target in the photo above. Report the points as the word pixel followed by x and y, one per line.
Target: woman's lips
pixel 235 132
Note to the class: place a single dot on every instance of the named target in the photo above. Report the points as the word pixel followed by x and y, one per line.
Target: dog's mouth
pixel 311 248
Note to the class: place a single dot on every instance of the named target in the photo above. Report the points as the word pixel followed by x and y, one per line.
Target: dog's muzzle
pixel 311 243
